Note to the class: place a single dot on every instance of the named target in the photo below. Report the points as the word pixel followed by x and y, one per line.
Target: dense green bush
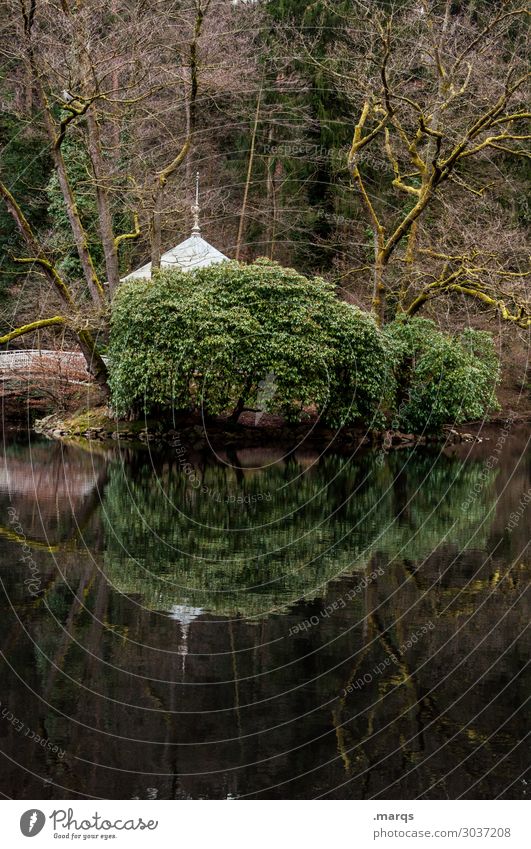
pixel 231 335
pixel 438 378
pixel 267 338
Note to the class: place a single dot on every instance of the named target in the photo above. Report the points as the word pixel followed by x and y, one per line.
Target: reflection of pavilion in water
pixel 196 704
pixel 53 488
pixel 184 614
pixel 263 708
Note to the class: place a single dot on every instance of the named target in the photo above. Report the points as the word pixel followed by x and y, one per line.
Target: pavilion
pixel 193 253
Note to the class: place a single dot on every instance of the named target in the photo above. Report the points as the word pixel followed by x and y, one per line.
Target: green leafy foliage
pixel 213 339
pixel 438 378
pixel 209 339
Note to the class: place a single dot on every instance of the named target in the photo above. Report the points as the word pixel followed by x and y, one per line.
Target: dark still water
pixel 264 626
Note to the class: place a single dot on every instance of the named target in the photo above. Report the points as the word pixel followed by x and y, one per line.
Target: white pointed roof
pixel 193 253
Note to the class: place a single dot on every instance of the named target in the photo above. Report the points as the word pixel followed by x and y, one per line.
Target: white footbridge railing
pixel 27 359
pixel 69 366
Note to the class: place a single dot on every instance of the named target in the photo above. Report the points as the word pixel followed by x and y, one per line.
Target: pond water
pixel 264 626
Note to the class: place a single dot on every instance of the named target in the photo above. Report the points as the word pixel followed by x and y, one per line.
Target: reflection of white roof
pixel 191 254
pixel 185 614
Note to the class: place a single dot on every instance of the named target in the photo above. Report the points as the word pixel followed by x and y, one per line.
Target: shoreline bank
pixel 98 425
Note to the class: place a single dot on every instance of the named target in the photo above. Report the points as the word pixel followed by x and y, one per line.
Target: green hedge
pixel 440 379
pixel 267 338
pixel 257 334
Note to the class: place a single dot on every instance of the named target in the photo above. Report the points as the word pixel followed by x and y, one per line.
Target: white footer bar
pixel 267 824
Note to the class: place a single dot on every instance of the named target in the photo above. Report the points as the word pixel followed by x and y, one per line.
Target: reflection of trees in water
pixel 258 542
pixel 267 693
pixel 407 728
pixel 433 710
pixel 54 488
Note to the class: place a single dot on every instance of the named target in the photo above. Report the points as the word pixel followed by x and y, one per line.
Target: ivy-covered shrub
pixel 231 335
pixel 440 379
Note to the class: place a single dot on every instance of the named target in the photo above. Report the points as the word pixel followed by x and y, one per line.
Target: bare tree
pixel 191 85
pixel 441 100
pixel 125 90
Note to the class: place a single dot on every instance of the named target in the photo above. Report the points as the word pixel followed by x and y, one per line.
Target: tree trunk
pixel 95 365
pixel 379 298
pixel 164 175
pixel 238 410
pixel 56 136
pixel 156 226
pixel 248 177
pixel 102 199
pixel 80 236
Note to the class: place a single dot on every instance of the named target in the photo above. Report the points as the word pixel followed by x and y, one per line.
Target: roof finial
pixel 196 230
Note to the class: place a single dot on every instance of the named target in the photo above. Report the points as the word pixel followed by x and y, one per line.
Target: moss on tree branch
pixel 31 327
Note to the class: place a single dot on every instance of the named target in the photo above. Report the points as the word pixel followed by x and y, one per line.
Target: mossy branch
pixel 129 236
pixel 163 176
pixel 95 363
pixel 74 112
pixel 50 272
pixel 29 328
pixel 20 220
pixel 521 317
